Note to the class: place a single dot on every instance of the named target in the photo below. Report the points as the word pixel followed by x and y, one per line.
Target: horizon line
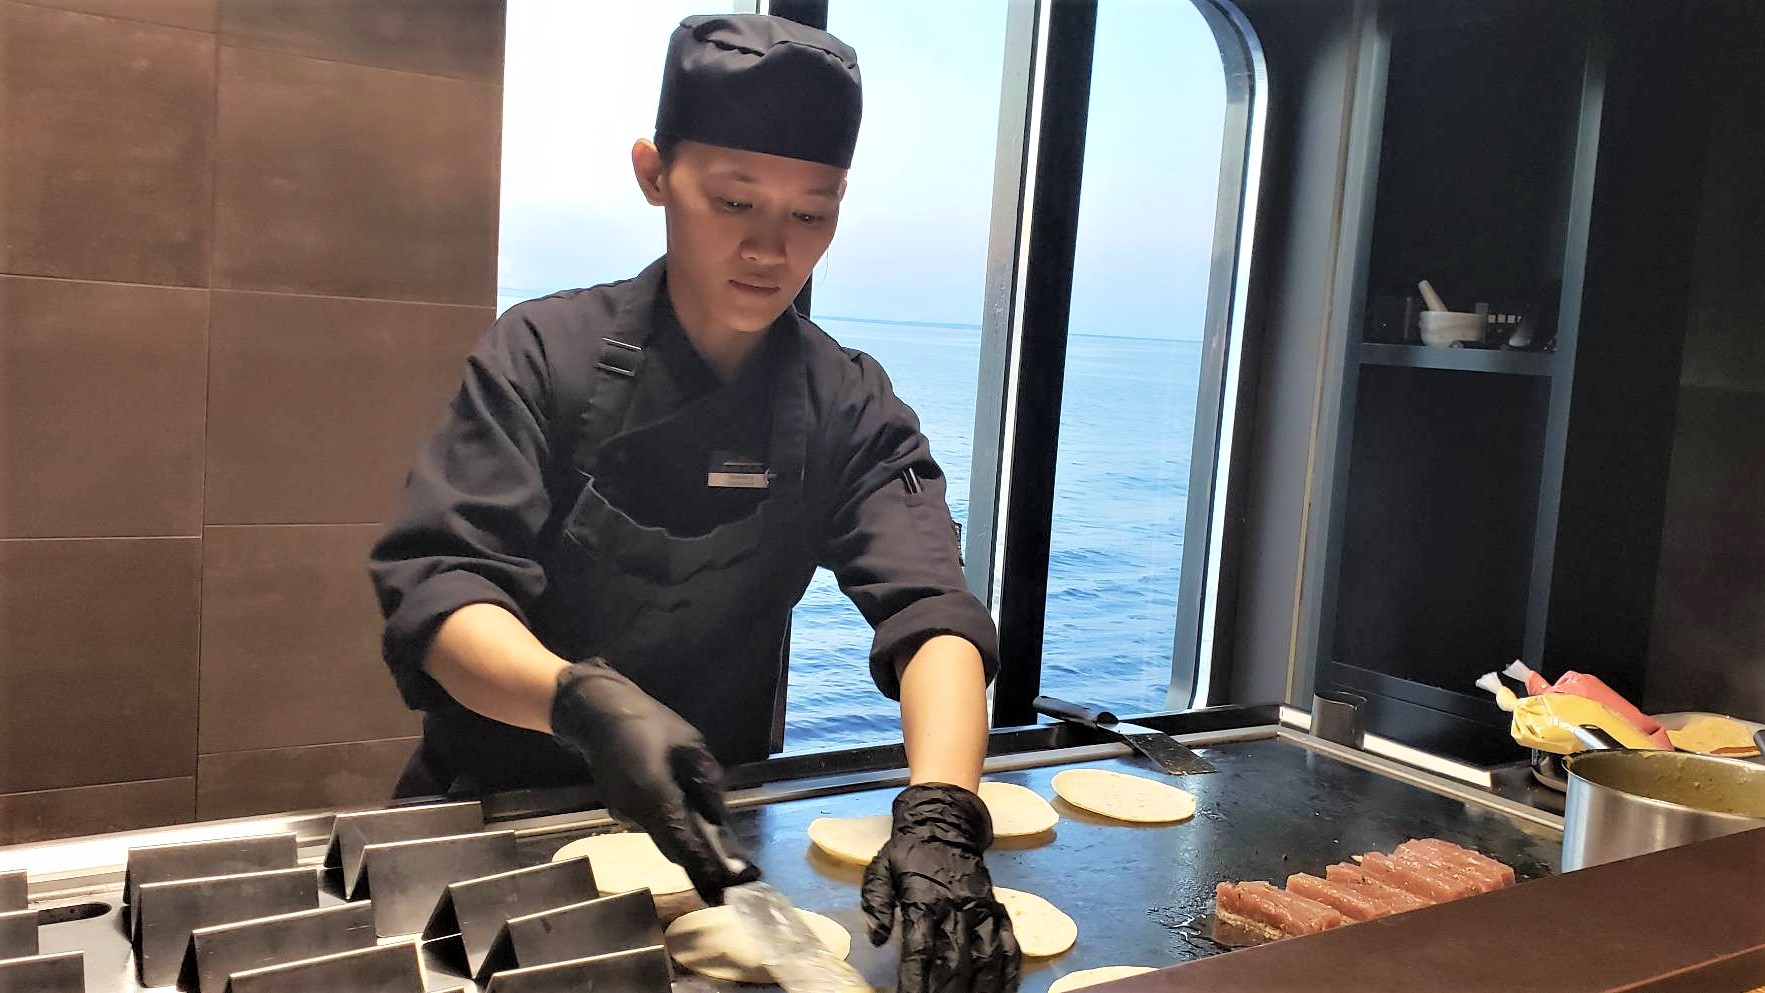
pixel 893 322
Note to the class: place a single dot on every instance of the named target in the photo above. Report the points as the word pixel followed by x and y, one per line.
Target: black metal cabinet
pixel 1482 505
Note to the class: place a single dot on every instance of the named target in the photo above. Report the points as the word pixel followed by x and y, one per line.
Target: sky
pixel 581 82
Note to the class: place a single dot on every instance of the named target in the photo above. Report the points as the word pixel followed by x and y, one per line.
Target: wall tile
pixel 291 641
pixel 101 408
pixel 197 15
pixel 97 661
pixel 282 780
pixel 47 815
pixel 317 404
pixel 107 159
pixel 460 38
pixel 347 181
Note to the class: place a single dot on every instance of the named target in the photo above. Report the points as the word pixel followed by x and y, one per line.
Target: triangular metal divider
pixel 394 968
pixel 352 833
pixel 640 970
pixel 215 952
pixel 169 911
pixel 201 859
pixel 475 910
pixel 408 877
pixel 581 930
pixel 60 973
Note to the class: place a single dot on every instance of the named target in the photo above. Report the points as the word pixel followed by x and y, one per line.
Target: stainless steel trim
pixel 1455 788
pixel 1300 720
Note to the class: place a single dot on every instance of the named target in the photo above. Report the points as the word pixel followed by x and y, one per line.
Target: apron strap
pixel 615 379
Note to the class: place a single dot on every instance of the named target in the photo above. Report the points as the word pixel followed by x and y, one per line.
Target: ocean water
pixel 1127 426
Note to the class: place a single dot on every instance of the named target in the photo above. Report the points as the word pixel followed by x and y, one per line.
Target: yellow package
pixel 1543 722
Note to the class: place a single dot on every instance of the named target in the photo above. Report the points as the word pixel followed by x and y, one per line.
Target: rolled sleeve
pixel 896 553
pixel 473 505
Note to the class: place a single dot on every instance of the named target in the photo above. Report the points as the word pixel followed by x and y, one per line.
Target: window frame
pixel 1038 177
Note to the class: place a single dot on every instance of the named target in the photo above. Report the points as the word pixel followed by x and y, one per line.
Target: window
pixel 1141 271
pixel 903 282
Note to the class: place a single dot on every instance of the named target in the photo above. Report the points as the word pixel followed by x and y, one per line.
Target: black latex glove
pixel 651 768
pixel 955 938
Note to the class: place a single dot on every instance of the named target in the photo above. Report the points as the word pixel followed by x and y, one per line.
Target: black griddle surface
pixel 1142 895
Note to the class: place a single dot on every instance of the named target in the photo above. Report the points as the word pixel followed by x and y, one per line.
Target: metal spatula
pixel 1167 752
pixel 788 949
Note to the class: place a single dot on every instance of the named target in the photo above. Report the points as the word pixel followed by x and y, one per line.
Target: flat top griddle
pixel 1140 895
pixel 1143 895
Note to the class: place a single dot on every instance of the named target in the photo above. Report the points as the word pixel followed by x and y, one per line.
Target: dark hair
pixel 666 144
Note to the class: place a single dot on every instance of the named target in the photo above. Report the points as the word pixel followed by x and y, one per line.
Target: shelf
pixel 1459 359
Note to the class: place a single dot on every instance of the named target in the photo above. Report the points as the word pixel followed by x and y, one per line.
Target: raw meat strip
pixel 1421 883
pixel 1399 900
pixel 1502 872
pixel 1484 879
pixel 1274 910
pixel 1468 881
pixel 1355 904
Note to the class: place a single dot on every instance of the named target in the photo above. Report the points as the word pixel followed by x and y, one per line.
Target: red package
pixel 1593 688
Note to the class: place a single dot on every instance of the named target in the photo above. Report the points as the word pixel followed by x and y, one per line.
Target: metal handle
pixel 1759 739
pixel 1068 711
pixel 1593 737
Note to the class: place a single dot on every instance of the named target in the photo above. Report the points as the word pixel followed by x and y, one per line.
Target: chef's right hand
pixel 955 935
pixel 651 768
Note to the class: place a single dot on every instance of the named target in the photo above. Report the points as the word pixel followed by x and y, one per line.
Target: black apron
pixel 699 622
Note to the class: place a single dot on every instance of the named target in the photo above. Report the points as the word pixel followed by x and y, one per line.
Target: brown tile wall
pixel 244 248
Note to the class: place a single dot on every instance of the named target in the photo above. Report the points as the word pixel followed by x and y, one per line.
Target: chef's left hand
pixel 955 937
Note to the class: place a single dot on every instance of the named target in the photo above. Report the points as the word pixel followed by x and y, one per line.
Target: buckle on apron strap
pixel 620 358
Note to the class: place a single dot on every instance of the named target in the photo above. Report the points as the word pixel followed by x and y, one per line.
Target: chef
pixel 593 567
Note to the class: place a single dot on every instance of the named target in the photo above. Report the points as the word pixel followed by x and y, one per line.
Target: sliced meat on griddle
pixel 1264 904
pixel 1416 879
pixel 1469 882
pixel 1400 900
pixel 1354 904
pixel 1499 872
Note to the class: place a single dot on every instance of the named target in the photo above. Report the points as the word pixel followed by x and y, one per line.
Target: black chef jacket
pixel 482 501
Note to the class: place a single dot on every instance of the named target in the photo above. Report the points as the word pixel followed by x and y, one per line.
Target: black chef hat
pixel 761 84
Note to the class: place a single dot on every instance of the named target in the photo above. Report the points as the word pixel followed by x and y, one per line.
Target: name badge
pixel 737 472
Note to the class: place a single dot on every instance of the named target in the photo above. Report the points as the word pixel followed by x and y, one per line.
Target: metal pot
pixel 1623 802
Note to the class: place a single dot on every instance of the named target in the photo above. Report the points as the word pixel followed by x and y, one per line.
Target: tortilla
pixel 1714 736
pixel 1017 811
pixel 1092 977
pixel 626 862
pixel 1042 929
pixel 851 839
pixel 713 943
pixel 1116 795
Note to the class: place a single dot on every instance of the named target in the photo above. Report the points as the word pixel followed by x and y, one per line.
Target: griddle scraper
pixel 1167 752
pixel 788 949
